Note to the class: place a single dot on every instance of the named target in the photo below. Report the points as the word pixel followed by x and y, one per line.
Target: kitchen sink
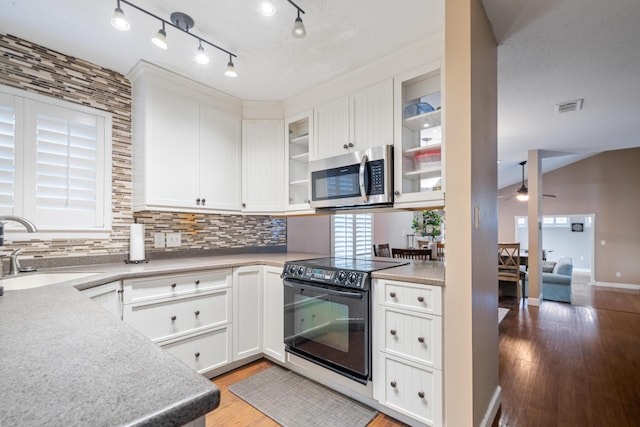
pixel 29 281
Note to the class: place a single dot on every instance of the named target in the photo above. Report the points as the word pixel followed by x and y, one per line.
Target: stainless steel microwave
pixel 359 179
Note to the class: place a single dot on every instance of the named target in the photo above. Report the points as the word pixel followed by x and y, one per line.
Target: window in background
pixel 55 163
pixel 352 235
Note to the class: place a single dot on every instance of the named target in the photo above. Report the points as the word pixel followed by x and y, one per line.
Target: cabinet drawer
pixel 203 352
pixel 416 337
pixel 413 390
pixel 164 319
pixel 138 290
pixel 424 298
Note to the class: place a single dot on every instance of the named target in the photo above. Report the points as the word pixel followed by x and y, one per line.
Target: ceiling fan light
pixel 298 30
pixel 201 56
pixel 523 194
pixel 119 20
pixel 160 39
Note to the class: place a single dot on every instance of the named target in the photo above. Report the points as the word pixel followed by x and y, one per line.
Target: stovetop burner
pixel 355 264
pixel 344 272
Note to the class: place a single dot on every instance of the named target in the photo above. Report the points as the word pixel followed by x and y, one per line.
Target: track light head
pixel 119 20
pixel 231 70
pixel 298 30
pixel 201 56
pixel 160 39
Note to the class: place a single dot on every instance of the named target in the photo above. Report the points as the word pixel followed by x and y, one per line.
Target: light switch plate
pixel 158 240
pixel 174 240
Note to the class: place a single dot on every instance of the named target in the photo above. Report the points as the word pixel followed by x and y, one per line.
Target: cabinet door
pixel 372 116
pixel 263 166
pixel 273 324
pixel 220 160
pixel 247 311
pixel 108 296
pixel 172 146
pixel 331 124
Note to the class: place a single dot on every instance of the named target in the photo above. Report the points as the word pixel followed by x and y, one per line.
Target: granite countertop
pixel 66 361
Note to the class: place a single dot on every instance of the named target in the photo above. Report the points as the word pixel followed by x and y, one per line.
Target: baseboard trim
pixel 619 285
pixel 533 301
pixel 493 408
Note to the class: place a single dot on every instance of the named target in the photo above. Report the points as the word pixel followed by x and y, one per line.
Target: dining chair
pixel 382 250
pixel 423 254
pixel 509 267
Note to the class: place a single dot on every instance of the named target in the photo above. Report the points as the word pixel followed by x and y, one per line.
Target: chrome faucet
pixel 14 264
pixel 31 228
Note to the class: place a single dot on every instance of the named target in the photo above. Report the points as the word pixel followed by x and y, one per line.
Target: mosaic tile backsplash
pixel 34 68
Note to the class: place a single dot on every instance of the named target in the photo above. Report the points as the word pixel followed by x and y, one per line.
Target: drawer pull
pixel 392 294
pixel 197 355
pixel 197 312
pixel 421 394
pixel 173 285
pixel 173 318
pixel 393 384
pixel 420 299
pixel 392 332
pixel 197 282
pixel 420 339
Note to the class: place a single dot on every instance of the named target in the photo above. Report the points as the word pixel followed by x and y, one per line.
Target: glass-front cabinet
pixel 298 132
pixel 419 144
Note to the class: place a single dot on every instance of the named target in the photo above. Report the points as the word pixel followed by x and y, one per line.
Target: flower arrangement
pixel 427 223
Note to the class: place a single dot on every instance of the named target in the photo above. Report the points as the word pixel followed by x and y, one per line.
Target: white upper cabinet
pixel 263 166
pixel 361 120
pixel 419 143
pixel 220 160
pixel 186 145
pixel 299 143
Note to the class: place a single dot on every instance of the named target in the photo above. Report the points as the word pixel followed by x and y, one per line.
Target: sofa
pixel 556 284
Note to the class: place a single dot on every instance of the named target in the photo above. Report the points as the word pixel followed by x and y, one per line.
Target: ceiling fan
pixel 522 194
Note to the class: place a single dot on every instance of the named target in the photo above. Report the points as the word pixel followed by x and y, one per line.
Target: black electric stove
pixel 343 272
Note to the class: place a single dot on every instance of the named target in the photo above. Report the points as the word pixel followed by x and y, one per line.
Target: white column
pixel 534 183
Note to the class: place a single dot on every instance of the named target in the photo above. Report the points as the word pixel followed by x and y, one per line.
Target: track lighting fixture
pixel 231 70
pixel 160 39
pixel 298 30
pixel 179 21
pixel 119 21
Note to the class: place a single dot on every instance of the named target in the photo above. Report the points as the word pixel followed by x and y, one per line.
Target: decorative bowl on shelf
pixel 417 109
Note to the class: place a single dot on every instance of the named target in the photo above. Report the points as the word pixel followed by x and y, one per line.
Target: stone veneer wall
pixel 34 68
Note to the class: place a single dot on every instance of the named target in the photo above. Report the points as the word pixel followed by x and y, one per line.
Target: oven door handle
pixel 298 285
pixel 363 169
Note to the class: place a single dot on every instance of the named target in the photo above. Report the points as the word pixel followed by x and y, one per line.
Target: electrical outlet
pixel 617 274
pixel 158 240
pixel 174 240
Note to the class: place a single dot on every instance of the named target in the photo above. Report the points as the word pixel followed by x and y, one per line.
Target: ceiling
pixel 550 51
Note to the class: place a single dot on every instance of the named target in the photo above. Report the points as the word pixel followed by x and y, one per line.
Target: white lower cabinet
pixel 108 296
pixel 273 317
pixel 189 315
pixel 203 352
pixel 247 311
pixel 407 350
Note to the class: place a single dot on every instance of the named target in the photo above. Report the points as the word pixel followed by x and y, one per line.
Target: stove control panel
pixel 345 278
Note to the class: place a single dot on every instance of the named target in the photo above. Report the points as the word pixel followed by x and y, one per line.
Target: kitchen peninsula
pixel 66 361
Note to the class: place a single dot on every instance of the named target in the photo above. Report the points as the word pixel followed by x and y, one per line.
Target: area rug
pixel 501 313
pixel 292 400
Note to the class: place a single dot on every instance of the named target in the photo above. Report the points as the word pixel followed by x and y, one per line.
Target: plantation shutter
pixel 68 147
pixel 7 155
pixel 352 235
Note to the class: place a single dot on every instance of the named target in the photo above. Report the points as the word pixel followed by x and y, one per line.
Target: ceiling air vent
pixel 567 107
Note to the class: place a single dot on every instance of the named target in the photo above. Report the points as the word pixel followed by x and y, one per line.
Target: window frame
pixel 27 105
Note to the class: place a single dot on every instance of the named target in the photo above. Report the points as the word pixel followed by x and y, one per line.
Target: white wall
pixel 309 234
pixel 389 228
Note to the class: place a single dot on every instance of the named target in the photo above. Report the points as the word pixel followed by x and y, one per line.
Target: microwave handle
pixel 363 168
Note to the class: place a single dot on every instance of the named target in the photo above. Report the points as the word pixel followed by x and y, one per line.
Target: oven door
pixel 329 326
